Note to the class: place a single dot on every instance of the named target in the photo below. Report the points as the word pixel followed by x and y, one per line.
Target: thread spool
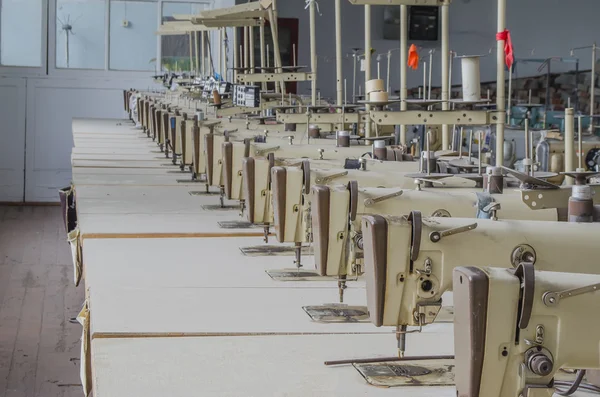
pixel 557 162
pixel 199 115
pixel 379 150
pixel 217 98
pixel 314 131
pixel 379 96
pixel 343 139
pixel 374 86
pixel 471 78
pixel 581 204
pixel 428 162
pixel 494 180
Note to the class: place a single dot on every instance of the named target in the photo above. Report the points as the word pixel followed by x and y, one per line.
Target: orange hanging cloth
pixel 413 57
pixel 508 47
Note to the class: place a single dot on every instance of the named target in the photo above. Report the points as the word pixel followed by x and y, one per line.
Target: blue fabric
pixel 172 122
pixel 483 200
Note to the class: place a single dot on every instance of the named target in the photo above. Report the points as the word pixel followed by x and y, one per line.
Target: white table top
pixel 143 199
pixel 251 366
pixel 102 126
pixel 189 263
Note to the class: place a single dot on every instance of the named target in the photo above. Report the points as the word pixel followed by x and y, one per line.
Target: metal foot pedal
pixel 296 275
pixel 217 207
pixel 271 250
pixel 190 180
pixel 408 373
pixel 236 225
pixel 202 193
pixel 337 313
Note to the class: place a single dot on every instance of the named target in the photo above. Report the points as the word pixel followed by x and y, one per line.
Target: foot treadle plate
pixel 296 275
pixel 337 313
pixel 217 207
pixel 408 373
pixel 236 225
pixel 202 193
pixel 271 250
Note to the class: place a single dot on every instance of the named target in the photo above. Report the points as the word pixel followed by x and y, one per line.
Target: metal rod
pixel 479 150
pixel 236 59
pixel 580 143
pixel 246 49
pixel 191 51
pixel 424 80
pixel 500 83
pixel 313 50
pixel 403 66
pixel 428 137
pixel 593 86
pixel 251 48
pixel 203 52
pixel 196 55
pixel 263 62
pixel 445 72
pixel 355 59
pixel 470 145
pixel 368 45
pixel 430 73
pixel 569 143
pixel 389 64
pixel 338 49
pixel 386 359
pixel 509 99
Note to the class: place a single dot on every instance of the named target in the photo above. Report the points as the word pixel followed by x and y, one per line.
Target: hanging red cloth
pixel 508 47
pixel 413 57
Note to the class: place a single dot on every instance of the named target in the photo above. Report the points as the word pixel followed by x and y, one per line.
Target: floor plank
pixel 39 347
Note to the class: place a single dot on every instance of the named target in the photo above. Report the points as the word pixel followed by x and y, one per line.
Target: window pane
pixel 21 33
pixel 132 35
pixel 175 49
pixel 80 34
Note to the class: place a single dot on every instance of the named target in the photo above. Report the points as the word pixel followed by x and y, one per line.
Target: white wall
pixel 552 27
pixel 38 106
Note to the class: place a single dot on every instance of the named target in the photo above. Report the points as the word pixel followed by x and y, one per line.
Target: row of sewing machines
pixel 518 250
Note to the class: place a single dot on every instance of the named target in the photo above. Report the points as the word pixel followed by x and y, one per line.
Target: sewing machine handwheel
pixel 526 273
pixel 353 189
pixel 416 219
pixel 306 171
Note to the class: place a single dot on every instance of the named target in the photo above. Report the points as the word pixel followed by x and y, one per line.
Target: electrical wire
pixel 575 385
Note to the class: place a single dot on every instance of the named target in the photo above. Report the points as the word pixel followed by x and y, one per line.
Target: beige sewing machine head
pixel 515 329
pixel 408 261
pixel 291 188
pixel 227 169
pixel 337 213
pixel 257 179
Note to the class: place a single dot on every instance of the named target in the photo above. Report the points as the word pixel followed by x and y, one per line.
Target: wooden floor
pixel 39 346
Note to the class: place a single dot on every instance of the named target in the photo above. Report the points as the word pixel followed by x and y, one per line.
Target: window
pixel 175 49
pixel 132 38
pixel 80 34
pixel 21 33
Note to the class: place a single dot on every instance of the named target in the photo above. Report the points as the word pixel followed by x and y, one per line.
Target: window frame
pixel 32 71
pixel 49 45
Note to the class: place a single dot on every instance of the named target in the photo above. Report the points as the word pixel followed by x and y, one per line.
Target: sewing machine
pixel 337 213
pixel 257 178
pixel 515 329
pixel 235 152
pixel 408 260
